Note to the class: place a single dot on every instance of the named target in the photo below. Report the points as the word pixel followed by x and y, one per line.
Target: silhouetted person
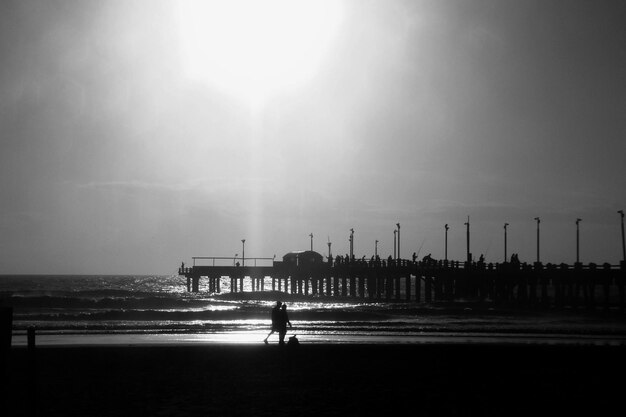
pixel 481 259
pixel 275 320
pixel 283 320
pixel 414 257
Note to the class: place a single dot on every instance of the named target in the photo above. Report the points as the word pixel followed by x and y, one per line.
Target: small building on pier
pixel 303 258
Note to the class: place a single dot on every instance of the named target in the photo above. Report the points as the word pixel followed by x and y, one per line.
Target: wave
pixel 219 313
pixel 85 301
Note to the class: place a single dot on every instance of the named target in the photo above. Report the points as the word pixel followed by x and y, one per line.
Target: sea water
pixel 158 309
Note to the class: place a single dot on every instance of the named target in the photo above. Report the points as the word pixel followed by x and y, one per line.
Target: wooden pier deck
pixel 549 285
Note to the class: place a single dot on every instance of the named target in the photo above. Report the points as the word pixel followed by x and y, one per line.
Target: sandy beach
pixel 313 380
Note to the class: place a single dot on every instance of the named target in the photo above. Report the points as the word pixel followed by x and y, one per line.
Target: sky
pixel 135 135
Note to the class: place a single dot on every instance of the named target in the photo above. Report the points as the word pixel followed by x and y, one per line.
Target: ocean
pixel 131 309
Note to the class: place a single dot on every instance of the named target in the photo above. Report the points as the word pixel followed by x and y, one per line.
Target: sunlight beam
pixel 254 49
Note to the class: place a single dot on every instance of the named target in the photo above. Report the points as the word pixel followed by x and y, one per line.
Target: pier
pixel 520 284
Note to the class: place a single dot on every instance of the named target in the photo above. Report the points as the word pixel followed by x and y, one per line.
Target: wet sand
pixel 255 337
pixel 314 380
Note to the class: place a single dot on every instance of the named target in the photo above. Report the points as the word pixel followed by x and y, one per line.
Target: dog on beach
pixel 293 341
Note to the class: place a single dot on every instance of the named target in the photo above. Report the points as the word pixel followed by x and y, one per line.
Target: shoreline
pixel 254 338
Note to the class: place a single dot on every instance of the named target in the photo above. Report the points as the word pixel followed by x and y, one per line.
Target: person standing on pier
pixel 276 312
pixel 283 320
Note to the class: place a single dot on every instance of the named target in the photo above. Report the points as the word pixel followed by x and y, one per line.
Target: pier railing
pixel 233 259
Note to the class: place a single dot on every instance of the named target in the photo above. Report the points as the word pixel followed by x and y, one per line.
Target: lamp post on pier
pixel 446 244
pixel 395 232
pixel 621 212
pixel 578 240
pixel 538 221
pixel 398 224
pixel 330 254
pixel 469 255
pixel 351 244
pixel 311 241
pixel 376 249
pixel 505 256
pixel 243 252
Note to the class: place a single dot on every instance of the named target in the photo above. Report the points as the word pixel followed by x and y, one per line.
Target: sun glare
pixel 255 48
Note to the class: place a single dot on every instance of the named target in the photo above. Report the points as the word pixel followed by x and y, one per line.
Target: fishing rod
pixel 488 246
pixel 420 249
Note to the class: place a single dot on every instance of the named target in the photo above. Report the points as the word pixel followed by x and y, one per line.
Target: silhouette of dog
pixel 293 341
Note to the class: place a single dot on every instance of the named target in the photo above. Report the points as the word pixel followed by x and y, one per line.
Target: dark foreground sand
pixel 315 380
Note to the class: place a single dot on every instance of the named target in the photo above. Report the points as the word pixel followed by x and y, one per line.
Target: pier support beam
pixel 407 289
pixel 590 286
pixel 352 286
pixel 418 287
pixel 428 290
pixel 371 285
pixel 544 281
pixel 606 284
pixel 397 281
pixel 578 279
pixel 362 286
pixel 621 277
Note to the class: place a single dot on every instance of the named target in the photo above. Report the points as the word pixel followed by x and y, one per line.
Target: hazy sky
pixel 137 134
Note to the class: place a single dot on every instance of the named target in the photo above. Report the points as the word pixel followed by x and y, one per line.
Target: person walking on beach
pixel 275 320
pixel 283 320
